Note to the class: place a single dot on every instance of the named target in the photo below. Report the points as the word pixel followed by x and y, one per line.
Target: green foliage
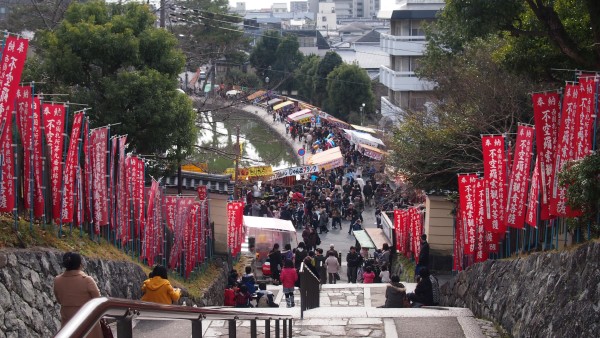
pixel 287 60
pixel 114 59
pixel 329 62
pixel 582 179
pixel 262 55
pixel 306 76
pixel 33 15
pixel 348 87
pixel 539 35
pixel 474 95
pixel 239 78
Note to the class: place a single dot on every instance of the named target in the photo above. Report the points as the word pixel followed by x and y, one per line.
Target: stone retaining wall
pixel 553 294
pixel 27 304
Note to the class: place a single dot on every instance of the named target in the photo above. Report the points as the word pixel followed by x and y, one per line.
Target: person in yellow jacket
pixel 158 289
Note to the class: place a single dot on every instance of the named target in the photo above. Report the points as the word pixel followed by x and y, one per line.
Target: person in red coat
pixel 288 278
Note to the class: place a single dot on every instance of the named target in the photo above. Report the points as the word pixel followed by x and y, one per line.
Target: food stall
pixel 264 232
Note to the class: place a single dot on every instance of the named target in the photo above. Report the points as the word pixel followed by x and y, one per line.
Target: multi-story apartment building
pixel 299 6
pixel 326 16
pixel 406 44
pixel 349 8
pixel 280 7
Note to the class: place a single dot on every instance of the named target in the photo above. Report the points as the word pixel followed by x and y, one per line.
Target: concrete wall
pixel 218 215
pixel 439 227
pixel 545 294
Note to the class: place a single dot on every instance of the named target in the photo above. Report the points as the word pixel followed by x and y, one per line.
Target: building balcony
pixel 402 81
pixel 390 108
pixel 402 45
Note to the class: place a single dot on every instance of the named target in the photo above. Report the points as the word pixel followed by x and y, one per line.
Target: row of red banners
pixel 408 226
pixel 89 175
pixel 522 193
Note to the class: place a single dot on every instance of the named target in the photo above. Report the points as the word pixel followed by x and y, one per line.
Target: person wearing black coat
pixel 423 295
pixel 395 293
pixel 353 260
pixel 423 255
pixel 276 261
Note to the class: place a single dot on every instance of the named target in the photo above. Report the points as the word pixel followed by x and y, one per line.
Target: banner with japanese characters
pixel 546 108
pixel 565 151
pixel 7 185
pixel 71 164
pixel 514 215
pixel 457 256
pixel 397 229
pixel 13 60
pixel 414 215
pixel 495 173
pixel 480 247
pixel 466 191
pixel 182 210
pixel 533 197
pixel 234 224
pixel 98 148
pixel 152 229
pixel 123 231
pixel 53 117
pixel 584 124
pixel 24 103
pixel 170 205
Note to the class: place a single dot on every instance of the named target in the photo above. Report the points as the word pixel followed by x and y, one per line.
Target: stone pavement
pixel 351 310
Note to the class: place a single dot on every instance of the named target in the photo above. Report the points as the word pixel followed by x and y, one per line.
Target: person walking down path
pixel 73 288
pixel 353 261
pixel 289 276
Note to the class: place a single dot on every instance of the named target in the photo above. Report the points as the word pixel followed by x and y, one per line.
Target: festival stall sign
pixel 293 171
pixel 256 95
pixel 328 159
pixel 359 137
pixel 245 173
pixel 333 121
pixel 371 152
pixel 273 102
pixel 364 129
pixel 302 116
pixel 283 105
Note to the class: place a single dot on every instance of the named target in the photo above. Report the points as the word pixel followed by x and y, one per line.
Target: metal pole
pixel 197 328
pixel 232 329
pixel 253 328
pixel 277 333
pixel 285 328
pixel 124 328
pixel 237 163
pixel 290 328
pixel 267 328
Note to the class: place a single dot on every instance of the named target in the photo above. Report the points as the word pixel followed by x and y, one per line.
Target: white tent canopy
pixel 328 159
pixel 357 137
pixel 268 223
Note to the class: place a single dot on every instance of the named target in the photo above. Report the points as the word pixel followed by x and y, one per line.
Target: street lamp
pixel 267 82
pixel 362 108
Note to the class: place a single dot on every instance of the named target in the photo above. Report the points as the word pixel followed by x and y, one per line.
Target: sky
pixel 258 4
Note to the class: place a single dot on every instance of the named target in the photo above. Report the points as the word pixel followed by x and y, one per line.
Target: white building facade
pixel 405 45
pixel 326 16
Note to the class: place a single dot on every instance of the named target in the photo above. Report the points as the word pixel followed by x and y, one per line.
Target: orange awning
pixel 256 95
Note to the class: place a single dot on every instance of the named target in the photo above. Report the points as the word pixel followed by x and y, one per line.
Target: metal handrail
pixel 125 309
pixel 309 283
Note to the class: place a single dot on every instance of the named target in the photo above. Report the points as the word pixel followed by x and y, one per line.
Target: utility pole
pixel 238 155
pixel 163 5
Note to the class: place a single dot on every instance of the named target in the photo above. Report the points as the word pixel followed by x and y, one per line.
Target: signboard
pixel 259 171
pixel 301 152
pixel 307 169
pixel 201 168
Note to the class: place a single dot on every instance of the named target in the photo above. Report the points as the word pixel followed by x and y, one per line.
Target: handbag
pixel 106 331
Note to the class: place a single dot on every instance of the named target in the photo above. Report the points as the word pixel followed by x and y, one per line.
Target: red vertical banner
pixel 457 256
pixel 139 193
pixel 122 206
pixel 151 229
pixel 71 164
pixel 86 176
pixel 514 215
pixel 565 151
pixel 534 193
pixel 191 241
pixel 414 215
pixel 480 247
pixel 491 241
pixel 111 183
pixel 13 60
pixel 234 223
pixel 466 191
pixel 24 104
pixel 494 168
pixel 38 165
pixel 7 186
pixel 170 205
pixel 545 112
pixel 202 192
pixel 584 125
pixel 54 128
pixel 98 148
pixel 179 234
pixel 404 232
pixel 398 229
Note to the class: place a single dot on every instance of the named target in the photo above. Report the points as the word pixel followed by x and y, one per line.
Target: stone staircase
pixel 351 310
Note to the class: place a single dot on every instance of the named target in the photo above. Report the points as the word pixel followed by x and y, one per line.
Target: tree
pixel 263 56
pixel 112 58
pixel 287 60
pixel 33 15
pixel 348 87
pixel 540 34
pixel 474 95
pixel 207 32
pixel 328 63
pixel 306 75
